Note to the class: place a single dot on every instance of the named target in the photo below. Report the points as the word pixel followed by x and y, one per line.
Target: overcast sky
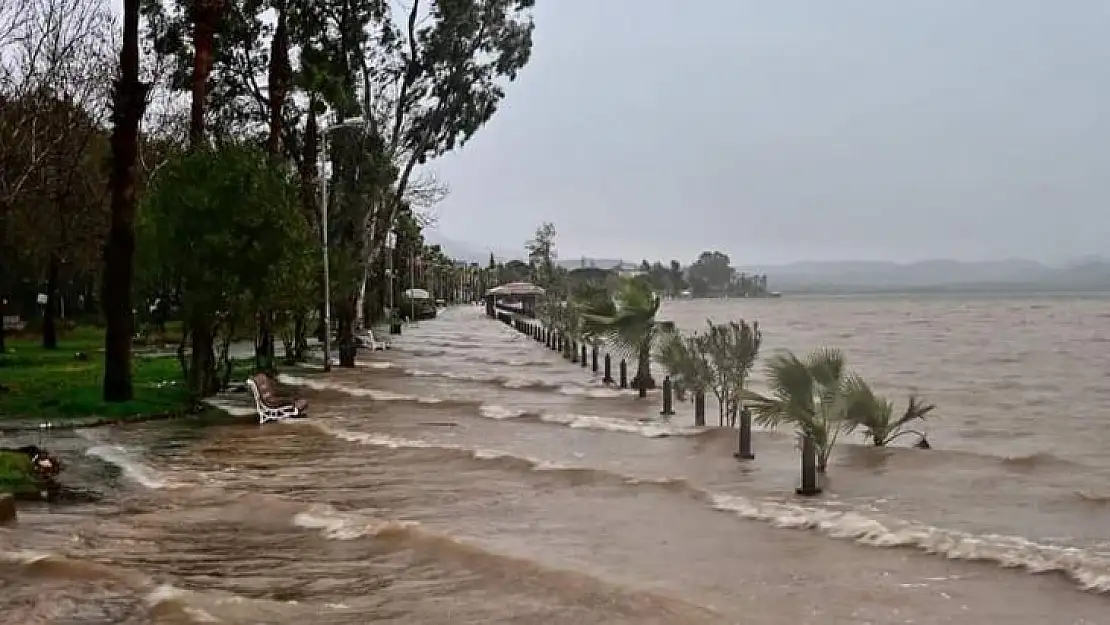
pixel 779 130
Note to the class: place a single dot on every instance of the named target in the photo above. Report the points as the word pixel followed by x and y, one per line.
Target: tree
pixel 223 223
pixel 630 327
pixel 710 274
pixel 812 395
pixel 875 415
pixel 541 255
pixel 730 350
pixel 128 105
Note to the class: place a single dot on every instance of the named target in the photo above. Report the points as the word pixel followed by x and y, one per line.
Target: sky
pixel 789 130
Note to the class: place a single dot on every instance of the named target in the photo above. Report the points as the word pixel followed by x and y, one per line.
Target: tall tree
pixel 206 19
pixel 129 103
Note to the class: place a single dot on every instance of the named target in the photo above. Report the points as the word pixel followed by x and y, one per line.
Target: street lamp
pixel 350 123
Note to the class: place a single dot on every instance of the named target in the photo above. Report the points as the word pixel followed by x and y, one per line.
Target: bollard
pixel 558 345
pixel 744 444
pixel 699 409
pixel 593 359
pixel 583 357
pixel 668 400
pixel 624 373
pixel 608 379
pixel 573 351
pixel 547 338
pixel 809 486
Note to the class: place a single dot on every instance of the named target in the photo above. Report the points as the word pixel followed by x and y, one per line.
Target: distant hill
pixel 1011 274
pixel 1090 273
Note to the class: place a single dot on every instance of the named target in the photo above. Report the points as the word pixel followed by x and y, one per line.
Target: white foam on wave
pixel 651 429
pixel 232 408
pixel 608 424
pixel 395 442
pixel 1090 571
pixel 131 467
pixel 375 394
pixel 336 525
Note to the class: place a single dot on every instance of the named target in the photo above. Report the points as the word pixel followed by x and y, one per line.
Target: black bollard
pixel 744 445
pixel 583 358
pixel 608 378
pixel 668 400
pixel 558 345
pixel 547 338
pixel 809 486
pixel 624 373
pixel 699 409
pixel 573 351
pixel 593 359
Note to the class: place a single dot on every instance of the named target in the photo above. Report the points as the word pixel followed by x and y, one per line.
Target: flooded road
pixel 470 476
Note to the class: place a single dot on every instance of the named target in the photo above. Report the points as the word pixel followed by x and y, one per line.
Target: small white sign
pixel 42 299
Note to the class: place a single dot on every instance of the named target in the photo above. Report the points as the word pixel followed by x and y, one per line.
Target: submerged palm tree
pixel 875 414
pixel 813 395
pixel 628 326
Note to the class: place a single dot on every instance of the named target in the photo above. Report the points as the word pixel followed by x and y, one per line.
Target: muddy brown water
pixel 470 476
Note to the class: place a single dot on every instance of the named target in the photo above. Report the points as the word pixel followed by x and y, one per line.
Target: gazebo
pixel 519 296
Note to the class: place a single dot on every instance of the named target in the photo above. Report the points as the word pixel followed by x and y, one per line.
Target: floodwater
pixel 469 475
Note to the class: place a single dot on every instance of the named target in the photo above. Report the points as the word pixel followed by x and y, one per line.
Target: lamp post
pixel 350 123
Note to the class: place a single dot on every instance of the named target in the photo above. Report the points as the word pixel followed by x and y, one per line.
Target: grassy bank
pixel 55 385
pixel 16 475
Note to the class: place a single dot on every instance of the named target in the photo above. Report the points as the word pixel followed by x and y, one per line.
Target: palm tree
pixel 629 326
pixel 875 414
pixel 813 395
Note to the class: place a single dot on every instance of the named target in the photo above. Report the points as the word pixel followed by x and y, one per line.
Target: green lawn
pixel 16 475
pixel 54 385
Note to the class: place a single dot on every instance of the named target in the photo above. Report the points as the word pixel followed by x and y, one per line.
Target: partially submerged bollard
pixel 583 356
pixel 608 379
pixel 809 486
pixel 624 373
pixel 593 359
pixel 744 438
pixel 558 344
pixel 573 350
pixel 668 400
pixel 699 409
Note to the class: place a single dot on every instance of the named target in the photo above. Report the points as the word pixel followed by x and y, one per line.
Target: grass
pixel 55 385
pixel 17 476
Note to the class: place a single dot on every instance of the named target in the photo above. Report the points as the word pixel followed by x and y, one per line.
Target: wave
pixel 592 422
pixel 335 525
pixel 1089 570
pixel 131 467
pixel 1036 460
pixel 504 458
pixel 374 394
pixel 233 408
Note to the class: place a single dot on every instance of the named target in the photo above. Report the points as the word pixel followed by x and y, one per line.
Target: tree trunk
pixel 346 333
pixel 129 102
pixel 50 316
pixel 203 381
pixel 300 337
pixel 279 82
pixel 3 312
pixel 206 19
pixel 264 343
pixel 643 380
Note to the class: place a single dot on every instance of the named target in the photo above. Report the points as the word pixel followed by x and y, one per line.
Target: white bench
pixel 270 406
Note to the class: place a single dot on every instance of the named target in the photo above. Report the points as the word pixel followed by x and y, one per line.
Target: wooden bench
pixel 270 405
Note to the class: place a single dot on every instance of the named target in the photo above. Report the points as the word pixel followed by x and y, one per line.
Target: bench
pixel 270 405
pixel 367 340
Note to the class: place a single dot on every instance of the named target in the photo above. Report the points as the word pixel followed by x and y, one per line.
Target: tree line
pixel 173 168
